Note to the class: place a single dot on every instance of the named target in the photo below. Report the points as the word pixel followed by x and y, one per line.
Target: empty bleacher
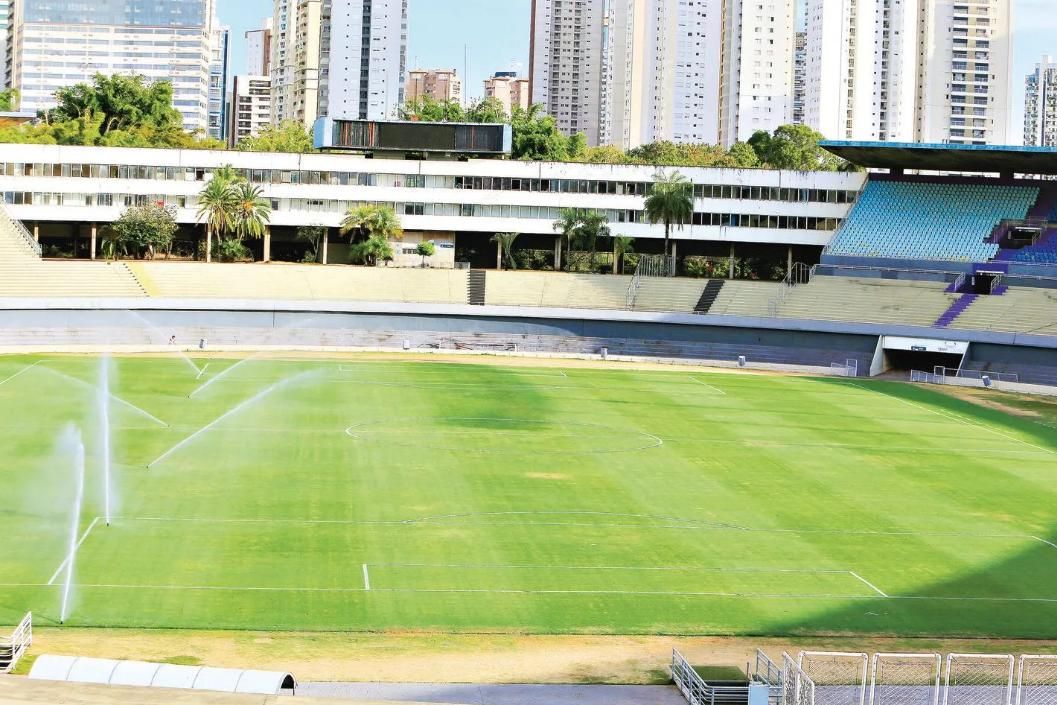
pixel 918 303
pixel 557 290
pixel 301 282
pixel 930 220
pixel 744 298
pixel 668 294
pixel 1018 310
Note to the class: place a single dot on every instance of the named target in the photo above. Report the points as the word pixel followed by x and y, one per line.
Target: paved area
pixel 469 694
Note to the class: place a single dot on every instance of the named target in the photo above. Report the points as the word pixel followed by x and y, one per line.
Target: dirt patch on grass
pixel 989 400
pixel 546 476
pixel 468 658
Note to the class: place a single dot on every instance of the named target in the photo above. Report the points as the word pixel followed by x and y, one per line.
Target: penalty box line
pixel 559 374
pixel 77 546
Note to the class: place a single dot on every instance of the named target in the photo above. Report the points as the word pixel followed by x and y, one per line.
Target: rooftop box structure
pixel 422 139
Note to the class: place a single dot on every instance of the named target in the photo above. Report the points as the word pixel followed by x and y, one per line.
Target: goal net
pixel 839 677
pixel 905 679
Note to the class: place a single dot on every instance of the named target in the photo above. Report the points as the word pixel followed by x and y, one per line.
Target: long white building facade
pixel 46 186
pixel 57 43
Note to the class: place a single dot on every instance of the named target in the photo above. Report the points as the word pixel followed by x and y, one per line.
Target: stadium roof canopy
pixel 966 158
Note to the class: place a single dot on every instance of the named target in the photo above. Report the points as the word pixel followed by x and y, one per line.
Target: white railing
pixel 799 275
pixel 959 282
pixel 20 229
pixel 13 648
pixel 697 691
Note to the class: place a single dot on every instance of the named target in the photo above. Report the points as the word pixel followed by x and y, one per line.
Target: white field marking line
pixel 1048 543
pixel 366 579
pixel 866 582
pixel 130 405
pixel 233 410
pixel 55 576
pixel 655 593
pixel 672 569
pixel 202 371
pixel 22 371
pixel 500 371
pixel 706 384
pixel 954 417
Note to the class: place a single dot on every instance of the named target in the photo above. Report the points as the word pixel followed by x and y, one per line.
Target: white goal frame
pixel 1010 669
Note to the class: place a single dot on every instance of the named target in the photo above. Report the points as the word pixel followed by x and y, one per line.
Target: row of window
pixel 334 178
pixel 463 210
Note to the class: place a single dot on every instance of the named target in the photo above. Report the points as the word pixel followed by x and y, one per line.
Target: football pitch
pixel 353 494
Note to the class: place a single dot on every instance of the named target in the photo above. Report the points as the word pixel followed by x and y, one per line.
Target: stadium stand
pixel 744 298
pixel 916 220
pixel 300 282
pixel 557 290
pixel 669 294
pixel 1018 310
pixel 867 300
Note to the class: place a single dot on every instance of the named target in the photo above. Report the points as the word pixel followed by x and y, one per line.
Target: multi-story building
pixel 218 83
pixel 251 107
pixel 56 44
pixel 438 84
pixel 295 60
pixel 566 57
pixel 799 78
pixel 839 68
pixel 367 59
pixel 259 49
pixel 508 89
pixel 5 11
pixel 756 67
pixel 1040 105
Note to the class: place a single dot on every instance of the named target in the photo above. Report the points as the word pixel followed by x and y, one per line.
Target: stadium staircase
pixel 956 309
pixel 668 294
pixel 475 293
pixel 709 295
pixel 1018 310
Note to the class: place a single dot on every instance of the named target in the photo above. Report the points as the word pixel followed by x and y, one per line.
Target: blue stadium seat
pixel 930 221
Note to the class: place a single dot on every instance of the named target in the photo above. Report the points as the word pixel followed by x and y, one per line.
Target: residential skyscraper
pixel 756 67
pixel 1040 105
pixel 438 84
pixel 565 62
pixel 218 83
pixel 799 78
pixel 367 59
pixel 251 107
pixel 295 60
pixel 259 49
pixel 839 68
pixel 965 72
pixel 5 11
pixel 167 40
pixel 509 89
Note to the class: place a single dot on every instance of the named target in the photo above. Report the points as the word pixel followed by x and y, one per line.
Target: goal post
pixel 1037 680
pixel 839 677
pixel 979 679
pixel 905 679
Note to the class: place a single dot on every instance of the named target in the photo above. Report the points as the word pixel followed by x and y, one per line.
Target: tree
pixel 793 147
pixel 9 100
pixel 123 102
pixel 425 249
pixel 216 204
pixel 488 110
pixel 427 109
pixel 505 249
pixel 250 213
pixel 379 224
pixel 582 228
pixel 536 136
pixel 141 231
pixel 671 202
pixel 290 136
pixel 622 245
pixel 313 235
pixel 371 251
pixel 566 225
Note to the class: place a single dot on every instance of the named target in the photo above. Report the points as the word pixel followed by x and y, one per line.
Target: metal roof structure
pixel 964 158
pixel 75 669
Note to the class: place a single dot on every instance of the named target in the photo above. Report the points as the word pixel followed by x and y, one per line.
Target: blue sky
pixel 496 33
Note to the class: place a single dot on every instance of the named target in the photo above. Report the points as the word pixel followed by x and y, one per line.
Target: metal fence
pixel 840 678
pixel 948 375
pixel 12 648
pixel 849 368
pixel 798 275
pixel 697 691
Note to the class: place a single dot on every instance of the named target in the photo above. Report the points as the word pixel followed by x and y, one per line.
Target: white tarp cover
pixel 73 669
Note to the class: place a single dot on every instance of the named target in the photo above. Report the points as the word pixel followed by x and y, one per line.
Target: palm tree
pixel 251 212
pixel 505 250
pixel 568 226
pixel 622 245
pixel 357 219
pixel 671 202
pixel 385 224
pixel 228 174
pixel 216 203
pixel 593 225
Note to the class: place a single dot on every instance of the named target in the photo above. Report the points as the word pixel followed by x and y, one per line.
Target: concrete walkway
pixel 469 694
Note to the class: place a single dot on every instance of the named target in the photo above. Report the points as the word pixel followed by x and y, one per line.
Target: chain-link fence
pixel 979 679
pixel 905 679
pixel 797 686
pixel 839 678
pixel 1037 680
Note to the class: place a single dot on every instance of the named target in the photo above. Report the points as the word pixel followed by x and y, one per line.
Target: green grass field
pixel 360 495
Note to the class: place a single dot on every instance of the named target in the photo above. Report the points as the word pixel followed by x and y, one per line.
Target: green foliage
pixel 313 235
pixel 622 245
pixel 229 204
pixel 230 249
pixel 671 202
pixel 372 251
pixel 426 249
pixel 427 109
pixel 488 110
pixel 371 219
pixel 793 147
pixel 539 260
pixel 289 137
pixel 251 212
pixel 536 137
pixel 9 100
pixel 140 232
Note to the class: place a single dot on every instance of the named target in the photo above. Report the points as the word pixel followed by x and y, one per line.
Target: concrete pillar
pixel 675 255
pixel 95 229
pixel 789 262
pixel 267 244
pixel 36 232
pixel 326 238
pixel 730 273
pixel 209 244
pixel 498 255
pixel 558 253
